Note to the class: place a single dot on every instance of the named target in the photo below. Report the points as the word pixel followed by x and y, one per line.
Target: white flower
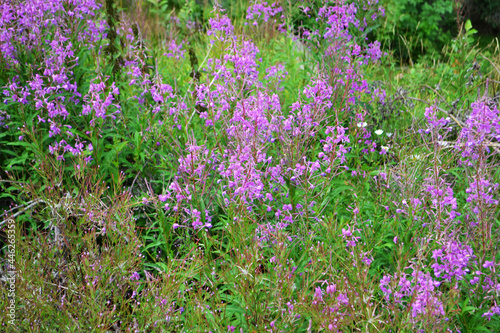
pixel 443 143
pixel 362 124
pixel 379 132
pixel 385 148
pixel 388 134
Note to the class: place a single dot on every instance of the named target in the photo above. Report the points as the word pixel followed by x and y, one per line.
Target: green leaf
pixel 154 244
pixel 468 25
pixel 234 309
pixel 9 152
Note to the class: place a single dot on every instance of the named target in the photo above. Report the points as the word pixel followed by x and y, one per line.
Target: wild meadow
pixel 246 166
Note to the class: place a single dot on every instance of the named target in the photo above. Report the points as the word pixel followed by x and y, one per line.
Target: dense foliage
pixel 417 27
pixel 254 167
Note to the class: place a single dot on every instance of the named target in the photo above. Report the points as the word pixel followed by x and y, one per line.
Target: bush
pixel 417 27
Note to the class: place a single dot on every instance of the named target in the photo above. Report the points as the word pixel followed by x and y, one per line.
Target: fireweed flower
pixel 318 295
pixel 135 276
pixel 488 264
pixel 420 293
pixel 174 50
pixel 97 105
pixel 452 260
pixel 494 310
pixel 51 89
pixel 373 51
pixel 435 124
pixel 426 301
pixel 482 125
pixel 348 236
pixel 221 28
pixel 263 10
pixel 331 289
pixel 246 115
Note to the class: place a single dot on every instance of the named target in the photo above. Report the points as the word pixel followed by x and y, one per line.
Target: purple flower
pixel 318 295
pixel 331 289
pixel 488 264
pixel 135 276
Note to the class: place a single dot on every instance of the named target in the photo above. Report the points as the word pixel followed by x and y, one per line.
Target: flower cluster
pixel 263 10
pixel 49 29
pixel 419 292
pixel 175 50
pixel 452 261
pixel 482 128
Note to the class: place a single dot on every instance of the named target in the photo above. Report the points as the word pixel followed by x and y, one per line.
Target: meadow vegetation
pixel 248 166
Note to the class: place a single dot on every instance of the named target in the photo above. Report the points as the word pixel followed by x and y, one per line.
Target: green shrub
pixel 417 27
